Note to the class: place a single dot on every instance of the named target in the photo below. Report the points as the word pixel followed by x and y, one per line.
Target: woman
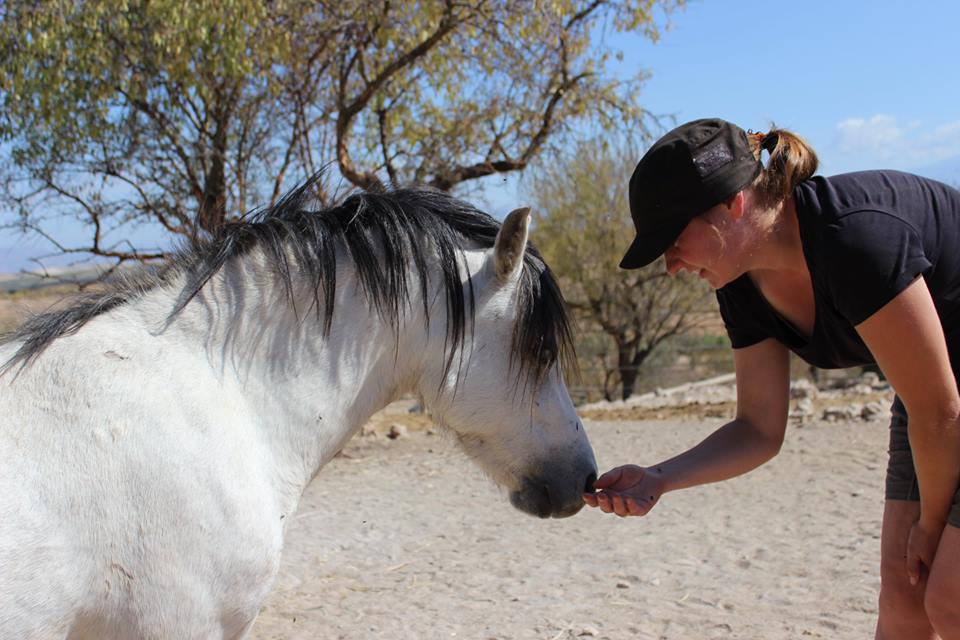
pixel 850 270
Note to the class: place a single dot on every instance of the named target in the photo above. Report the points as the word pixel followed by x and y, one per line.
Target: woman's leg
pixel 942 601
pixel 902 614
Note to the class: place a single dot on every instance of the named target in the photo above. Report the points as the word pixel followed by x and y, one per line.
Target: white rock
pixel 803 388
pixel 803 409
pixel 840 414
pixel 873 411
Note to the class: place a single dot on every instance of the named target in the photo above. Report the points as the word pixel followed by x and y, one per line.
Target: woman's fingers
pixel 619 507
pixel 605 502
pixel 913 569
pixel 621 504
pixel 921 549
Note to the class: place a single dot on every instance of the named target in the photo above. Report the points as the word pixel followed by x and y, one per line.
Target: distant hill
pixel 12 282
pixel 19 256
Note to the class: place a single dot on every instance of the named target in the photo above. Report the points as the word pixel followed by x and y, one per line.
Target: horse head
pixel 505 398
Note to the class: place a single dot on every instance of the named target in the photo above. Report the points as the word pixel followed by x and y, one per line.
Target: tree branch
pixel 349 109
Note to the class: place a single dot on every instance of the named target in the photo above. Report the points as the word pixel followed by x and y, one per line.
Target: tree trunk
pixel 628 372
pixel 608 387
pixel 629 381
pixel 212 211
pixel 630 367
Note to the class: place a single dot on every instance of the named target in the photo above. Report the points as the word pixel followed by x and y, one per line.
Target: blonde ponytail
pixel 791 162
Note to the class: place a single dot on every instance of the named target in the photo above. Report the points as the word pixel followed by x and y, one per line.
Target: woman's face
pixel 709 247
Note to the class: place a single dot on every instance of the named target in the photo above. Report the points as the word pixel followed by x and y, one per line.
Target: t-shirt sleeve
pixel 740 314
pixel 872 256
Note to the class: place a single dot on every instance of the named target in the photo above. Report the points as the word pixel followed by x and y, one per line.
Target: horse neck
pixel 305 390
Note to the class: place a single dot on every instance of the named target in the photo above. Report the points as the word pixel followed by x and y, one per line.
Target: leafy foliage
pixel 185 114
pixel 583 228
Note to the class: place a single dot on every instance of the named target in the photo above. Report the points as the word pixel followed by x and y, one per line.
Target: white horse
pixel 155 440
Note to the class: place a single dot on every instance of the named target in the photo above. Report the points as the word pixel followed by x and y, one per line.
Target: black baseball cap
pixel 689 170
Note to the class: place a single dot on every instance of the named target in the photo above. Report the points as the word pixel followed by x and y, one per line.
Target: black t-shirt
pixel 866 236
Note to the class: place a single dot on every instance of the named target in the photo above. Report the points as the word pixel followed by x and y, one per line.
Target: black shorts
pixel 901 475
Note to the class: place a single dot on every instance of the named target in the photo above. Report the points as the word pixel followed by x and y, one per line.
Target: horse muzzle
pixel 553 497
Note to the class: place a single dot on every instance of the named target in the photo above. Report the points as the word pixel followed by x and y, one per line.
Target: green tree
pixel 122 112
pixel 583 227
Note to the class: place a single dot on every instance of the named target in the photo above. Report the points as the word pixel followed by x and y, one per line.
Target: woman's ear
pixel 735 205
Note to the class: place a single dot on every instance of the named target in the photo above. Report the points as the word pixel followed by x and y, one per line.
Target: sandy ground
pixel 14 307
pixel 407 539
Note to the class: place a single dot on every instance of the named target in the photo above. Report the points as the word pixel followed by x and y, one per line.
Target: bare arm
pixel 750 439
pixel 754 435
pixel 907 340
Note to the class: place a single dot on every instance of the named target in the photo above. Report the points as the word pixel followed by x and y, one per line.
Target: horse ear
pixel 511 244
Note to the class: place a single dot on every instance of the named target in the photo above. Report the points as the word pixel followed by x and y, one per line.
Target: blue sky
pixel 869 84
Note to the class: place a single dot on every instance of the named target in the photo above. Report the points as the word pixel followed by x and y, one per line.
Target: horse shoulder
pixel 132 480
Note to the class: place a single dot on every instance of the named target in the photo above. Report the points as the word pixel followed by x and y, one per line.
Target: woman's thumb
pixel 609 478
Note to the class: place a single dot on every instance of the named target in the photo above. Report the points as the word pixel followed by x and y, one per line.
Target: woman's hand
pixel 627 491
pixel 921 550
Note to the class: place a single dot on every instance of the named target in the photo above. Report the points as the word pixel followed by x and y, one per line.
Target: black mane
pixel 382 233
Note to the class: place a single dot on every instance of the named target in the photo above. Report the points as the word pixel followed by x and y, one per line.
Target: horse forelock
pixel 387 235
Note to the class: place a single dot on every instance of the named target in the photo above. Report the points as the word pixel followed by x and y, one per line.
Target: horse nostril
pixel 590 480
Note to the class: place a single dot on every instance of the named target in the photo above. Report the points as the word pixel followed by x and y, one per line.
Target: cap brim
pixel 648 247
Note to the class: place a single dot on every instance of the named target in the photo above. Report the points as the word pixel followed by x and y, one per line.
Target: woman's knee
pixel 942 605
pixel 899 599
pixel 899 603
pixel 942 600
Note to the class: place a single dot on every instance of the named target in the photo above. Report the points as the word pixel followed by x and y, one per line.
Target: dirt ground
pixel 405 538
pixel 15 307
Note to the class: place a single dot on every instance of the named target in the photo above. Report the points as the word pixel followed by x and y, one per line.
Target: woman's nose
pixel 674 263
